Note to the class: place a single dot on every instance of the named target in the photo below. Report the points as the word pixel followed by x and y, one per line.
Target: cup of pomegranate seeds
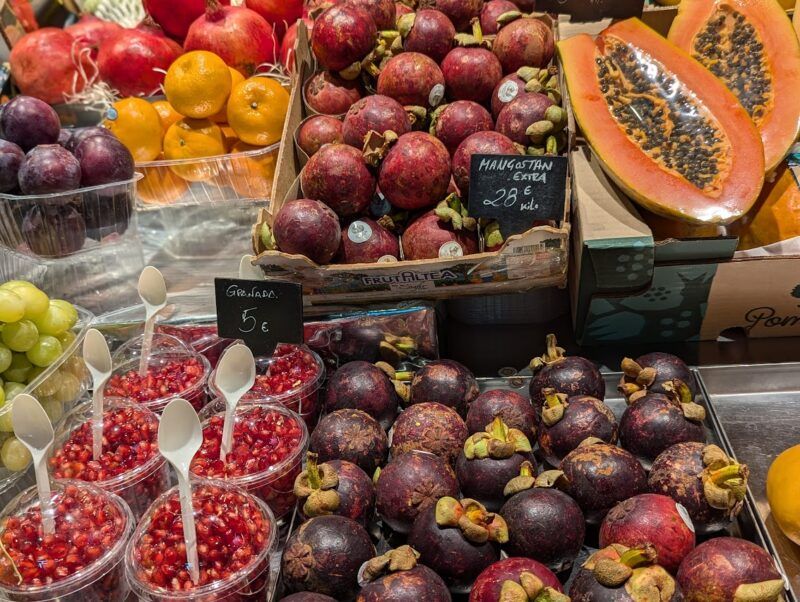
pixel 162 343
pixel 236 535
pixel 81 560
pixel 269 444
pixel 130 465
pixel 291 376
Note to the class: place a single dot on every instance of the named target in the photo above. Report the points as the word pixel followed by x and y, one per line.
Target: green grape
pixel 12 307
pixel 34 373
pixel 54 321
pixel 14 455
pixel 66 338
pixel 67 307
pixel 2 396
pixel 54 410
pixel 19 369
pixel 69 387
pixel 13 389
pixel 6 425
pixel 36 302
pixel 45 351
pixel 5 358
pixel 20 336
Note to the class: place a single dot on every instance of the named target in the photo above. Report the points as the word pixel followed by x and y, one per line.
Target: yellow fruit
pixel 138 126
pixel 167 114
pixel 251 172
pixel 194 139
pixel 257 109
pixel 783 492
pixel 197 84
pixel 236 79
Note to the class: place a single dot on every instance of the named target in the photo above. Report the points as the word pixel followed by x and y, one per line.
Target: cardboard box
pixel 536 258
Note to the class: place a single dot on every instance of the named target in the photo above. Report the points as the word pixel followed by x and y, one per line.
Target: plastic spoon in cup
pixel 247 271
pixel 97 358
pixel 179 438
pixel 153 293
pixel 236 375
pixel 33 428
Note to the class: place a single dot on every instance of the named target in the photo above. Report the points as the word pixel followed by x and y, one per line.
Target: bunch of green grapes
pixel 34 331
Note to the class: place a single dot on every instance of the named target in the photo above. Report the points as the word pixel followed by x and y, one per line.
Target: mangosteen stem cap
pixel 316 484
pixel 406 23
pixel 553 354
pixel 549 478
pixel 682 395
pixel 614 565
pixel 416 114
pixel 508 17
pixel 529 589
pixel 724 480
pixel 555 406
pixel 403 558
pixel 492 234
pixel 477 525
pixel 764 591
pixel 497 441
pixel 376 145
pixel 522 482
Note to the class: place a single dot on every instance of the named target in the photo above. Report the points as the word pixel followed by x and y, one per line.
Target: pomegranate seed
pixel 168 380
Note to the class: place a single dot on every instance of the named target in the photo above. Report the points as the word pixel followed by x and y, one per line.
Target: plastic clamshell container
pixel 248 584
pixel 65 223
pixel 101 579
pixel 139 486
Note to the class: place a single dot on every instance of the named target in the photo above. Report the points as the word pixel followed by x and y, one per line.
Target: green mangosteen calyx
pixel 492 234
pixel 405 24
pixel 477 525
pixel 317 486
pixel 266 238
pixel 497 442
pixel 724 480
pixel 635 568
pixel 764 591
pixel 376 145
pixel 474 39
pixel 451 210
pixel 400 380
pixel 553 354
pixel 524 481
pixel 394 349
pixel 555 405
pixel 508 17
pixel 681 395
pixel 529 589
pixel 417 116
pixel 550 479
pixel 403 558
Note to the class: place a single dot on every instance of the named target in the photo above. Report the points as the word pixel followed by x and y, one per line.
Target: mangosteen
pixel 335 487
pixel 543 523
pixel 517 580
pixel 363 386
pixel 704 480
pixel 430 427
pixel 568 421
pixel 458 539
pixel 515 410
pixel 597 476
pixel 650 519
pixel 489 460
pixel 307 597
pixel 324 556
pixel 655 421
pixel 728 568
pixel 409 484
pixel 358 341
pixel 447 382
pixel 652 371
pixel 569 375
pixel 396 576
pixel 621 574
pixel 351 435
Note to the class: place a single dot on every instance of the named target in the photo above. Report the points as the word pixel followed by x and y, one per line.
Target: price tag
pixel 593 10
pixel 262 314
pixel 517 191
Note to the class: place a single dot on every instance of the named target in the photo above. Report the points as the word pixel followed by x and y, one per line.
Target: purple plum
pixel 28 122
pixel 103 160
pixel 11 159
pixel 49 168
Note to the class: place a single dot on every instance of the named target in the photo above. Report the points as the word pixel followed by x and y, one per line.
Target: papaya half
pixel 667 131
pixel 752 47
pixel 776 215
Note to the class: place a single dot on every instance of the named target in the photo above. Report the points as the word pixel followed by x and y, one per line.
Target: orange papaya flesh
pixel 751 46
pixel 667 131
pixel 776 216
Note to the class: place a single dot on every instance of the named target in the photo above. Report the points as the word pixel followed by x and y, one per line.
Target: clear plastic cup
pixel 161 343
pixel 273 483
pixel 139 486
pixel 150 571
pixel 84 557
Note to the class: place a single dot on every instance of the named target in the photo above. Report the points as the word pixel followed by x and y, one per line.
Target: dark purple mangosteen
pixel 543 523
pixel 515 579
pixel 652 371
pixel 458 539
pixel 430 427
pixel 655 421
pixel 489 460
pixel 515 410
pixel 568 421
pixel 397 577
pixel 307 597
pixel 350 435
pixel 621 574
pixel 446 382
pixel 324 556
pixel 358 341
pixel 569 375
pixel 704 480
pixel 409 484
pixel 335 487
pixel 54 230
pixel 363 386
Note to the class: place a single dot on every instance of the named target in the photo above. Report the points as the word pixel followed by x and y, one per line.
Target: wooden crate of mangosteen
pixel 372 186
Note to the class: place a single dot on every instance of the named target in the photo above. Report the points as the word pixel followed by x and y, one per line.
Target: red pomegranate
pixel 278 13
pixel 91 32
pixel 288 43
pixel 128 61
pixel 239 36
pixel 176 16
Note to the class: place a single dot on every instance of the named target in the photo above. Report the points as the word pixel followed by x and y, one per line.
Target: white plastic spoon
pixel 153 293
pixel 97 358
pixel 236 375
pixel 247 271
pixel 32 427
pixel 179 438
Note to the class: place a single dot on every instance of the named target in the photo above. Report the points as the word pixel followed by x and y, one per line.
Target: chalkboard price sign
pixel 517 190
pixel 262 314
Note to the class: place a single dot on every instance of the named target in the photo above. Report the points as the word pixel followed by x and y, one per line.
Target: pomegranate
pixel 506 90
pixel 491 11
pixel 338 176
pixel 329 94
pixel 317 131
pixel 412 78
pixel 652 372
pixel 447 382
pixel 289 41
pixel 416 171
pixel 481 143
pixel 515 410
pixel 335 487
pixel 128 61
pixel 471 74
pixel 454 123
pixel 381 11
pixel 307 227
pixel 397 576
pixel 519 114
pixel 343 35
pixel 525 42
pixel 175 18
pixel 239 36
pixel 517 579
pixel 362 386
pixel 428 237
pixel 367 241
pixel 278 13
pixel 351 435
pixel 460 12
pixel 90 32
pixel 428 32
pixel 374 113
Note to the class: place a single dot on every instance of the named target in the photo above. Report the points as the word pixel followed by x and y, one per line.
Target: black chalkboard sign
pixel 592 10
pixel 517 190
pixel 262 314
